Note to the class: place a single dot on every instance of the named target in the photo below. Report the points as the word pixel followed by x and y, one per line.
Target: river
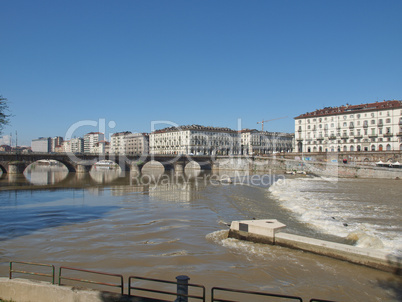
pixel 163 225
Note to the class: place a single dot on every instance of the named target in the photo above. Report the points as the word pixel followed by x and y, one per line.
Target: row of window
pixel 351 116
pixel 353 148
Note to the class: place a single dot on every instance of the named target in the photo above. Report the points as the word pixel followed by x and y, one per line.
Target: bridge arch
pixel 153 165
pixel 67 164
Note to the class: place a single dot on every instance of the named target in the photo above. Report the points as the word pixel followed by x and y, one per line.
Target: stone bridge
pixel 15 163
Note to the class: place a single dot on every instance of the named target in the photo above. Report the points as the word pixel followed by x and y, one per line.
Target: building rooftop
pixel 352 109
pixel 195 127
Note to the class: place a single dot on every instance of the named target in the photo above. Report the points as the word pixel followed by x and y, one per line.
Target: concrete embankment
pixel 267 231
pixel 23 290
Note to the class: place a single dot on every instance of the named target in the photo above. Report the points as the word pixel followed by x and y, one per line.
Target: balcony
pixel 365 126
pixel 388 135
pixel 373 135
pixel 399 134
pixel 332 137
pixel 345 136
pixel 320 138
pixel 358 136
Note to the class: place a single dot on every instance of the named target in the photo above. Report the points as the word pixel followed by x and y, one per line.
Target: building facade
pixel 137 143
pixel 254 142
pixel 366 127
pixel 90 141
pixel 102 147
pixel 42 144
pixel 118 142
pixel 56 143
pixel 195 140
pixel 75 145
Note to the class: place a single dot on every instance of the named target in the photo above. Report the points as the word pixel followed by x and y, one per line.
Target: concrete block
pixel 260 231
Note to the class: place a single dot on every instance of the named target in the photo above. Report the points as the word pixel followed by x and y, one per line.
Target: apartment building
pixel 195 140
pixel 254 142
pixel 75 145
pixel 118 142
pixel 90 141
pixel 137 143
pixel 365 127
pixel 55 143
pixel 102 147
pixel 42 144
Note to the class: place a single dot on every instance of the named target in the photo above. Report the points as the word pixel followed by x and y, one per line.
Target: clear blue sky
pixel 192 61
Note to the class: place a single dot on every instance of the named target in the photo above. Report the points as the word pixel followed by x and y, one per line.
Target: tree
pixel 4 115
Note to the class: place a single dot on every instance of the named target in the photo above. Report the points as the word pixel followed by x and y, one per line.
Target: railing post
pixel 182 288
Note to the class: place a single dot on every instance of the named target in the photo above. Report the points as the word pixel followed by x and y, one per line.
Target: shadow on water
pixel 15 222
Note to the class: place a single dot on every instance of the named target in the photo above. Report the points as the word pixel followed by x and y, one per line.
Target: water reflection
pixel 45 173
pixel 105 176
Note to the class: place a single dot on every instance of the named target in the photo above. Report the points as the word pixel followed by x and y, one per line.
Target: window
pixel 388 120
pixel 345 124
pixel 380 131
pixel 358 116
pixel 372 122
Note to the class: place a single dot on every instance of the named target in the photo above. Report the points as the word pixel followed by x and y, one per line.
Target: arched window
pixel 345 148
pixel 380 148
pixel 315 149
pixel 352 148
pixel 308 149
pixel 388 147
pixel 358 148
pixel 372 148
pixel 400 147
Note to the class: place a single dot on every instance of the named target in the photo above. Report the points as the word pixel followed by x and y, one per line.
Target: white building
pixel 102 147
pixel 118 142
pixel 42 144
pixel 366 127
pixel 75 145
pixel 66 146
pixel 195 140
pixel 254 142
pixel 91 139
pixel 55 142
pixel 137 143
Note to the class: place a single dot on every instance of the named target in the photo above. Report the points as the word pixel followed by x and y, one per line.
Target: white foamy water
pixel 367 211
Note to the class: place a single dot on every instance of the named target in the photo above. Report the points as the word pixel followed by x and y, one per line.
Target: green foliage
pixel 4 115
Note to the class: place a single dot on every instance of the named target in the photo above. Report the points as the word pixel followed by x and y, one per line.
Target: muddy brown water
pixel 164 227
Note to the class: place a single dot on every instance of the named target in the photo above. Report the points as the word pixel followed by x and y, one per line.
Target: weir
pixel 267 231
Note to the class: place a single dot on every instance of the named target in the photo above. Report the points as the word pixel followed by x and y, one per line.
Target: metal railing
pixel 251 293
pixel 31 273
pixel 182 284
pixel 181 293
pixel 121 285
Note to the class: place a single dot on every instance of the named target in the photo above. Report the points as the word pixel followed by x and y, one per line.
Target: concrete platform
pixel 23 290
pixel 267 231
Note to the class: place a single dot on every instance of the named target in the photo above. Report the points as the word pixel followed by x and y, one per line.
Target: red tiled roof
pixel 352 109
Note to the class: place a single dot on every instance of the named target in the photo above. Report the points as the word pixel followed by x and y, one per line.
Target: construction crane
pixel 274 119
